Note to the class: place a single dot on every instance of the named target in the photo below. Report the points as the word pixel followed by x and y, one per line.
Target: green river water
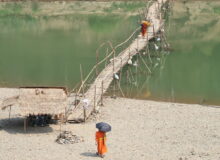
pixel 39 50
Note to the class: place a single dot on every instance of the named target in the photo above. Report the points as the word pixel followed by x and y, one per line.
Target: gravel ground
pixel 141 130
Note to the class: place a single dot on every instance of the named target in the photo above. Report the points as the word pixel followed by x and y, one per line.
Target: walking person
pixel 144 27
pixel 101 138
pixel 101 143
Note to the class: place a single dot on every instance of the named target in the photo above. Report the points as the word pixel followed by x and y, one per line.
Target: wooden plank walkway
pixel 93 95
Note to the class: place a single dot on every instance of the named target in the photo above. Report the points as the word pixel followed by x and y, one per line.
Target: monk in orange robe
pixel 144 27
pixel 101 143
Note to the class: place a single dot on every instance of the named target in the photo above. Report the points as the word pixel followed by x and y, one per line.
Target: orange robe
pixel 101 142
pixel 144 27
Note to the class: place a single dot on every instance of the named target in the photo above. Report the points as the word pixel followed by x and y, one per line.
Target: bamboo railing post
pixel 121 72
pixel 75 103
pixel 102 94
pixel 114 62
pixel 114 96
pixel 127 81
pixel 84 114
pixel 25 124
pixel 153 30
pixel 82 81
pixel 61 121
pixel 9 115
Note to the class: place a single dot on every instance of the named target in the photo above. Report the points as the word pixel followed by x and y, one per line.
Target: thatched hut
pixel 34 101
pixel 38 101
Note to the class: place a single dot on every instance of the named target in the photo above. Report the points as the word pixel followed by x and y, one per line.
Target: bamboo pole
pixel 102 94
pixel 120 89
pixel 9 115
pixel 84 114
pixel 121 71
pixel 82 82
pixel 145 64
pixel 75 103
pixel 25 124
pixel 114 62
pixel 61 121
pixel 103 60
pixel 153 30
pixel 127 81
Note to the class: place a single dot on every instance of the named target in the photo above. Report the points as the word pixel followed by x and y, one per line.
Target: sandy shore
pixel 142 130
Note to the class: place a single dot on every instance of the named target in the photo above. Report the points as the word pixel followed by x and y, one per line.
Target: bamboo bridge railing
pixel 92 97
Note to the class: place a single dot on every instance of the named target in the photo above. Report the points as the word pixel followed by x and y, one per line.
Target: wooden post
pixel 9 116
pixel 113 74
pixel 84 114
pixel 114 89
pixel 113 62
pixel 136 70
pixel 61 120
pixel 102 94
pixel 120 89
pixel 75 103
pixel 82 82
pixel 127 81
pixel 95 99
pixel 153 30
pixel 121 72
pixel 25 124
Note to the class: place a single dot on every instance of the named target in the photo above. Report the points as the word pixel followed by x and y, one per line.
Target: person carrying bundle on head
pixel 144 27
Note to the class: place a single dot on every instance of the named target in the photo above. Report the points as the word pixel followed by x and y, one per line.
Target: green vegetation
pixel 125 6
pixel 217 10
pixel 34 6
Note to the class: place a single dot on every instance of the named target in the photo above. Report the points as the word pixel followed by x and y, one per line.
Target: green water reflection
pixel 48 50
pixel 41 50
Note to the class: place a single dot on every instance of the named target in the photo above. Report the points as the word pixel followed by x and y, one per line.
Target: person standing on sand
pixel 101 143
pixel 144 27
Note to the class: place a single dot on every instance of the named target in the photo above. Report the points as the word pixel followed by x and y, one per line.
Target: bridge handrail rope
pixel 100 62
pixel 80 112
pixel 113 52
pixel 103 60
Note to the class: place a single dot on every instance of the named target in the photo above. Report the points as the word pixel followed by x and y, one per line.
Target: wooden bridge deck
pixel 93 95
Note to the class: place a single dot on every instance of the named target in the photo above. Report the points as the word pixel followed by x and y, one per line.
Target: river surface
pixel 39 50
pixel 47 50
pixel 190 73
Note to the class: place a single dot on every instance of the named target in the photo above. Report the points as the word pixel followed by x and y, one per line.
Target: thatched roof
pixel 39 101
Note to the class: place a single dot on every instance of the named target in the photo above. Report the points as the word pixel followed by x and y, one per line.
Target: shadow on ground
pixel 16 125
pixel 89 154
